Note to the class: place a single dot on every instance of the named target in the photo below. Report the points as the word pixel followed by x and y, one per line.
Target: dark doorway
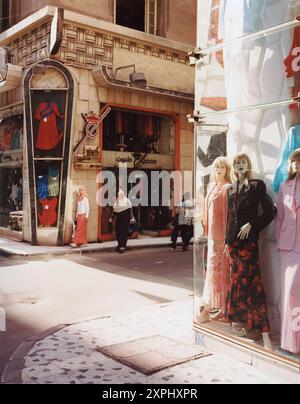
pixel 131 14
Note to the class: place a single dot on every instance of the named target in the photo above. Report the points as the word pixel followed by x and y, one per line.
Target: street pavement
pixel 40 293
pixel 103 299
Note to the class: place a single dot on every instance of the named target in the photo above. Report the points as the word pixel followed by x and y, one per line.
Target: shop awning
pixel 104 77
pixel 12 79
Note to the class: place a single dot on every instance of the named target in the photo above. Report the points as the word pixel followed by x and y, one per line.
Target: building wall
pixel 85 47
pixel 89 98
pixel 177 18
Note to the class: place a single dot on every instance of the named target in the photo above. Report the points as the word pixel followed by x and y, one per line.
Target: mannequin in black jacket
pixel 246 304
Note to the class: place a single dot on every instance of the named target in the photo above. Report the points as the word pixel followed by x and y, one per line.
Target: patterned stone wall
pixel 88 48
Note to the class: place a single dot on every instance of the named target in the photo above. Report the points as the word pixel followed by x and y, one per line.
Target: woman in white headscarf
pixel 123 215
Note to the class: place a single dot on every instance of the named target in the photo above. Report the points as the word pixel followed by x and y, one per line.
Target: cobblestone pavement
pixel 70 357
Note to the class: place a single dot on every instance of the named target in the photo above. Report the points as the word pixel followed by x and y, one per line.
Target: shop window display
pixel 48 122
pixel 47 193
pixel 256 79
pixel 138 133
pixel 11 175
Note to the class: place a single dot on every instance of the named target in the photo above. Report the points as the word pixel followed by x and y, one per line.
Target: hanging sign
pixel 93 122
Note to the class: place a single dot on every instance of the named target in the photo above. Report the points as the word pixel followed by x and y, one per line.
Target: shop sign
pixel 93 122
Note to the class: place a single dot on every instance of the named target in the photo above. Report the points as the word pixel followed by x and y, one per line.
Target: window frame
pixel 149 29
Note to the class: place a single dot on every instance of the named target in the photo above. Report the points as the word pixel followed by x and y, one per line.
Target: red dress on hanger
pixel 292 67
pixel 48 137
pixel 49 216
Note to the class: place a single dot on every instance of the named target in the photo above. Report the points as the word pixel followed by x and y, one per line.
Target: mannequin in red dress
pixel 48 137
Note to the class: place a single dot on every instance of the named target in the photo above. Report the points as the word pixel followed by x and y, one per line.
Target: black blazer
pixel 244 207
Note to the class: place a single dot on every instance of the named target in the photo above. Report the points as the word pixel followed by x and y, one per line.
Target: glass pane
pixel 241 295
pixel 259 70
pixel 48 185
pixel 225 20
pixel 11 173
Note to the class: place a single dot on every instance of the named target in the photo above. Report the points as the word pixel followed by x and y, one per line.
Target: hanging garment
pixel 42 187
pixel 48 137
pixel 288 236
pixel 14 193
pixel 292 66
pixel 49 215
pixel 5 141
pixel 16 139
pixel 53 182
pixel 293 143
pixel 240 17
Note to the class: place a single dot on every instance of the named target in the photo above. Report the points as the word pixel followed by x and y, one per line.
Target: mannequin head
pixel 294 164
pixel 221 171
pixel 241 168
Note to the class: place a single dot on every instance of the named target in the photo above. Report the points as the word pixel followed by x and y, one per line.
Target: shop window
pixel 137 14
pixel 138 133
pixel 11 175
pixel 239 295
pixel 48 140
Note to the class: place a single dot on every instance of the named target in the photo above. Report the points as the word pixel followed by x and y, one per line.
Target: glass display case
pixel 247 105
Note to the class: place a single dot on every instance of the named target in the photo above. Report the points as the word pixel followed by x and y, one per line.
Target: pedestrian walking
pixel 186 219
pixel 82 216
pixel 123 217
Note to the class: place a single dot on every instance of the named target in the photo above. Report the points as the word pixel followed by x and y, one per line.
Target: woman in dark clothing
pixel 246 303
pixel 123 215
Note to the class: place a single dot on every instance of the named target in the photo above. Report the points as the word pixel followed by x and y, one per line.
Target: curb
pixel 12 373
pixel 79 251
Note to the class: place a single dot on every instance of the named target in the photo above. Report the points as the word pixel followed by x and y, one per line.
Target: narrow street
pixel 68 289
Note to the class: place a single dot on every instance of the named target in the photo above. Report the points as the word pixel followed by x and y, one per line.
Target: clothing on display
pixel 243 208
pixel 288 236
pixel 217 279
pixel 238 18
pixel 42 187
pixel 48 137
pixel 292 66
pixel 48 217
pixel 246 301
pixel 17 139
pixel 53 182
pixel 5 141
pixel 292 143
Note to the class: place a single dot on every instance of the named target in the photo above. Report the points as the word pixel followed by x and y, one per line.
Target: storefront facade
pixel 83 111
pixel 247 64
